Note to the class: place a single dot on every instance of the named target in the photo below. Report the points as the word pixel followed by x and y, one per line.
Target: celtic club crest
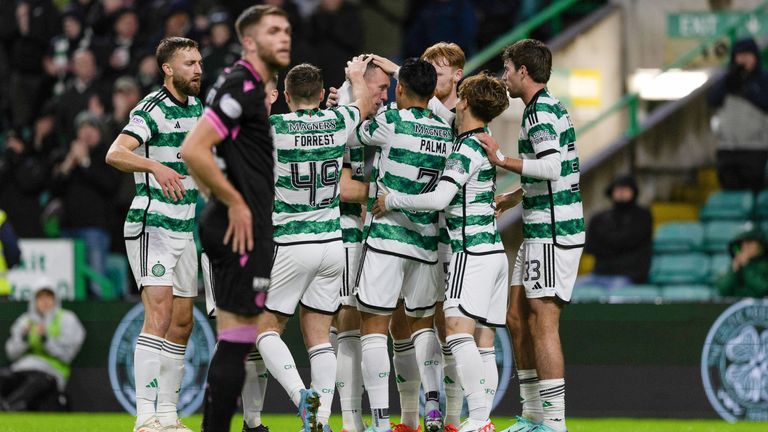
pixel 196 360
pixel 734 362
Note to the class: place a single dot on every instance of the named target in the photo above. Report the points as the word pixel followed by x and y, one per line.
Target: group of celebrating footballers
pixel 291 220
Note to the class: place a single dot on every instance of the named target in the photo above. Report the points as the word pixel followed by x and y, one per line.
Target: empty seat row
pixel 644 294
pixel 712 237
pixel 735 205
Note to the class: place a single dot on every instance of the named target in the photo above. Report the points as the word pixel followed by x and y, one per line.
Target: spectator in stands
pixel 148 75
pixel 23 177
pixel 125 96
pixel 223 50
pixel 620 238
pixel 118 52
pixel 335 35
pixel 63 46
pixel 748 275
pixel 86 186
pixel 42 345
pixel 84 92
pixel 10 254
pixel 431 21
pixel 37 22
pixel 741 125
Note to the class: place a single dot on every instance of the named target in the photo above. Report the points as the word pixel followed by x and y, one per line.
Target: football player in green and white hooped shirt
pixel 553 233
pixel 309 256
pixel 349 380
pixel 400 250
pixel 158 230
pixel 477 279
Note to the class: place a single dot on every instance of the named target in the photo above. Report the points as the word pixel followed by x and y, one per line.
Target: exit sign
pixel 706 24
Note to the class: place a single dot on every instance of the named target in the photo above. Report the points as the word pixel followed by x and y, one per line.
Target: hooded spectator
pixel 748 275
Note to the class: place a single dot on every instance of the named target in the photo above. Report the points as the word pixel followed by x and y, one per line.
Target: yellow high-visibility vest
pixel 5 284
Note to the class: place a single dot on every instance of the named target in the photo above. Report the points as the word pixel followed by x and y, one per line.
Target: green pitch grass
pixel 82 422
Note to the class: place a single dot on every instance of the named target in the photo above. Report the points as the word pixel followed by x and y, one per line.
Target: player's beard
pixel 187 87
pixel 269 57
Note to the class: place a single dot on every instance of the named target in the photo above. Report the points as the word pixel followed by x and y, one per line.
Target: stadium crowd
pixel 71 70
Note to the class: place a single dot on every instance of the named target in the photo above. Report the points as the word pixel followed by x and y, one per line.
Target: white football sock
pixel 552 393
pixel 376 377
pixel 529 395
pixel 322 362
pixel 491 376
pixel 349 380
pixel 408 381
pixel 472 373
pixel 146 369
pixel 454 395
pixel 169 382
pixel 254 388
pixel 428 358
pixel 280 364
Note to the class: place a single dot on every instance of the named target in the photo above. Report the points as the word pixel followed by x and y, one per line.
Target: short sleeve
pixel 543 136
pixel 351 116
pixel 141 126
pixel 236 101
pixel 463 162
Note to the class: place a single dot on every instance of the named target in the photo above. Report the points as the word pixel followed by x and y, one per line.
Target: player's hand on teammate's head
pixel 507 201
pixel 333 98
pixel 170 182
pixel 387 65
pixel 380 206
pixel 356 67
pixel 240 229
pixel 491 147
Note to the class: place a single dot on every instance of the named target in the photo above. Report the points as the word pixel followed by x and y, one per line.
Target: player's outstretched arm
pixel 121 156
pixel 352 191
pixel 496 157
pixel 197 152
pixel 438 199
pixel 545 167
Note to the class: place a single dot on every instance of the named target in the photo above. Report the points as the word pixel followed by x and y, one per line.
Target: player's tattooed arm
pixel 122 157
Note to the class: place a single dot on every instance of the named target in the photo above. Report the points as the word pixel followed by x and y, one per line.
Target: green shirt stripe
pixel 403 235
pixel 160 221
pixel 190 196
pixel 305 227
pixel 544 230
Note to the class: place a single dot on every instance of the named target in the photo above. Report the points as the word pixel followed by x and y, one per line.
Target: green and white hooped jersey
pixel 412 146
pixel 470 215
pixel 352 213
pixel 160 122
pixel 552 210
pixel 309 152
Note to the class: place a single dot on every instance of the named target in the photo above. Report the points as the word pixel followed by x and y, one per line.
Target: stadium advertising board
pixel 734 362
pixel 54 259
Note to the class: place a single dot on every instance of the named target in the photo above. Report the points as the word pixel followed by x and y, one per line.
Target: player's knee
pixel 182 329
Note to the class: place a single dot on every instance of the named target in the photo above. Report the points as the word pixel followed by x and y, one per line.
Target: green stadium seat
pixel 682 293
pixel 589 294
pixel 679 237
pixel 728 205
pixel 717 234
pixel 719 265
pixel 761 206
pixel 635 294
pixel 671 269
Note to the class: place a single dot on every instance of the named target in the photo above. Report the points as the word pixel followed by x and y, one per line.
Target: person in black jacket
pixel 620 238
pixel 86 186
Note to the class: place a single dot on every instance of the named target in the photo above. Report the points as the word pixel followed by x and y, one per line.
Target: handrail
pixel 520 32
